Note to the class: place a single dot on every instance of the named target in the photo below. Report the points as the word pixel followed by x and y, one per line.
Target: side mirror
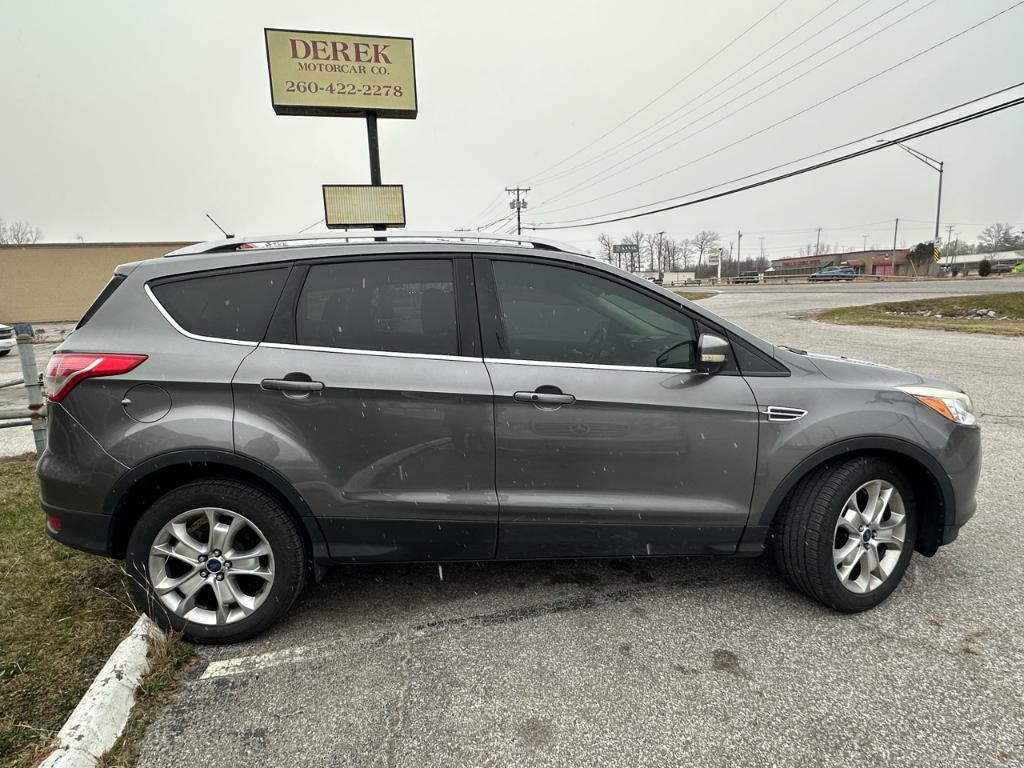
pixel 712 352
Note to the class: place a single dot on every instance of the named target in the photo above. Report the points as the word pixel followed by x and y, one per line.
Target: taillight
pixel 66 369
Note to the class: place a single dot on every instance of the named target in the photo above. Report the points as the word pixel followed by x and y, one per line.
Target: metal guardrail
pixel 34 414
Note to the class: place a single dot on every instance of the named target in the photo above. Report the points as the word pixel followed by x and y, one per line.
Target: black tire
pixel 804 531
pixel 265 512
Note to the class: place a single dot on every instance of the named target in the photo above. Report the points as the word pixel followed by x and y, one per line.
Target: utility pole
pixel 518 204
pixel 817 242
pixel 739 248
pixel 895 232
pixel 762 249
pixel 865 242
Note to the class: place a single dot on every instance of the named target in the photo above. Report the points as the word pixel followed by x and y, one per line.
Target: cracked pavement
pixel 653 662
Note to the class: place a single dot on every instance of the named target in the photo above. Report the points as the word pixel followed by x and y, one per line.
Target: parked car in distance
pixel 747 277
pixel 1002 267
pixel 655 280
pixel 7 340
pixel 233 417
pixel 834 273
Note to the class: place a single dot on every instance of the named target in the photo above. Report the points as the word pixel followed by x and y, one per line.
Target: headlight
pixel 955 406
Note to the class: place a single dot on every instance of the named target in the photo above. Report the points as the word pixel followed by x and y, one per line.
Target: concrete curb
pixel 101 714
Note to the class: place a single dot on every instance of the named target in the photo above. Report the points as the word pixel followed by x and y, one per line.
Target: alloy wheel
pixel 869 536
pixel 211 566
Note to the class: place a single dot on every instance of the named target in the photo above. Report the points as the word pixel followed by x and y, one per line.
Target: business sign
pixel 626 248
pixel 364 205
pixel 327 74
pixel 714 254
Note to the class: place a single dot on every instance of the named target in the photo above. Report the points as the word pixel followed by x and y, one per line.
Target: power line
pixel 653 126
pixel 304 229
pixel 844 145
pixel 802 111
pixel 609 172
pixel 817 166
pixel 664 93
pixel 487 208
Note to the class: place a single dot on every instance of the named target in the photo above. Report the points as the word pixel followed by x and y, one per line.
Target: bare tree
pixel 703 241
pixel 19 233
pixel 682 254
pixel 999 237
pixel 607 253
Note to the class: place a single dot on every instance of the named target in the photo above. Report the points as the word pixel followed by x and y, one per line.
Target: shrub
pixel 985 268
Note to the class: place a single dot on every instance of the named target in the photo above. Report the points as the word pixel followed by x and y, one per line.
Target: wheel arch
pixel 140 486
pixel 932 489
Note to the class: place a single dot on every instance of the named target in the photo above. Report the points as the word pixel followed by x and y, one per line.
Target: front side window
pixel 564 315
pixel 229 305
pixel 383 306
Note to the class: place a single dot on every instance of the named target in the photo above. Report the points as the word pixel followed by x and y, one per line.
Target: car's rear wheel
pixel 217 560
pixel 845 534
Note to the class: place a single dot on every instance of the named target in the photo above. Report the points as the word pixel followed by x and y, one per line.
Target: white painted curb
pixel 101 715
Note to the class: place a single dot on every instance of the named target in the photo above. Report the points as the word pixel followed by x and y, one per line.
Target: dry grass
pixel 62 612
pixel 954 310
pixel 168 657
pixel 695 295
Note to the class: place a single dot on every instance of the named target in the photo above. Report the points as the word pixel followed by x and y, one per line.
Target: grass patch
pixel 953 313
pixel 62 613
pixel 695 295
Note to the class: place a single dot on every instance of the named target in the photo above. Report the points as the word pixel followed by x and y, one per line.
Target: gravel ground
pixel 666 662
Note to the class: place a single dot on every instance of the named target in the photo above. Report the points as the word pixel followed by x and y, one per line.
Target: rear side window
pixel 383 306
pixel 229 305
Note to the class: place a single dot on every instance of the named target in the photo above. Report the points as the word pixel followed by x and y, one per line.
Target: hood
pixel 846 370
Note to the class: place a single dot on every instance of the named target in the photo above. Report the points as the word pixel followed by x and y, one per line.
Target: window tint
pixel 235 305
pixel 388 306
pixel 566 315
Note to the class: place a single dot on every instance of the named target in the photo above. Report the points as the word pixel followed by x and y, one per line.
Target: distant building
pixel 968 262
pixel 58 281
pixel 884 262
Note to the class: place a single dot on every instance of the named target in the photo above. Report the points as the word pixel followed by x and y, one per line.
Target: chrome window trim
pixel 589 366
pixel 189 334
pixel 376 352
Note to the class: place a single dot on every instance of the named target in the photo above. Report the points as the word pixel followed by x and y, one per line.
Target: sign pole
pixel 374 145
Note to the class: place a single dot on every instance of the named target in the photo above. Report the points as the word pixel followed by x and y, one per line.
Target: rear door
pixel 370 395
pixel 608 443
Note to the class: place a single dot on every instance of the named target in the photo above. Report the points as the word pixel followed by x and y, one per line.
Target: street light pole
pixel 935 165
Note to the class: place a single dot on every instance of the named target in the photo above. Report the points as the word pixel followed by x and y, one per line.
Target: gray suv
pixel 233 417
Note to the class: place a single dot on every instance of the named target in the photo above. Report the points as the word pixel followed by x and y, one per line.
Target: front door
pixel 608 443
pixel 372 399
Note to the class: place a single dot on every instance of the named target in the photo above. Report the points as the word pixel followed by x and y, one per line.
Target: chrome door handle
pixel 544 398
pixel 292 385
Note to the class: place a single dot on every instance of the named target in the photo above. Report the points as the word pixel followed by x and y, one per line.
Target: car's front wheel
pixel 846 533
pixel 217 560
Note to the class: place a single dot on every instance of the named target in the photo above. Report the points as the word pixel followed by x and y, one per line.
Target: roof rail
pixel 363 236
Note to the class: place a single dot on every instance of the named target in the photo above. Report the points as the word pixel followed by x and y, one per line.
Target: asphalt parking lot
pixel 664 662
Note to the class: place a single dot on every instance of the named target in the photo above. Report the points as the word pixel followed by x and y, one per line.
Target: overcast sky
pixel 129 121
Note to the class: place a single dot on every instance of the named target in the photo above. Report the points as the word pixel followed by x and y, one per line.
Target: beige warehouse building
pixel 48 282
